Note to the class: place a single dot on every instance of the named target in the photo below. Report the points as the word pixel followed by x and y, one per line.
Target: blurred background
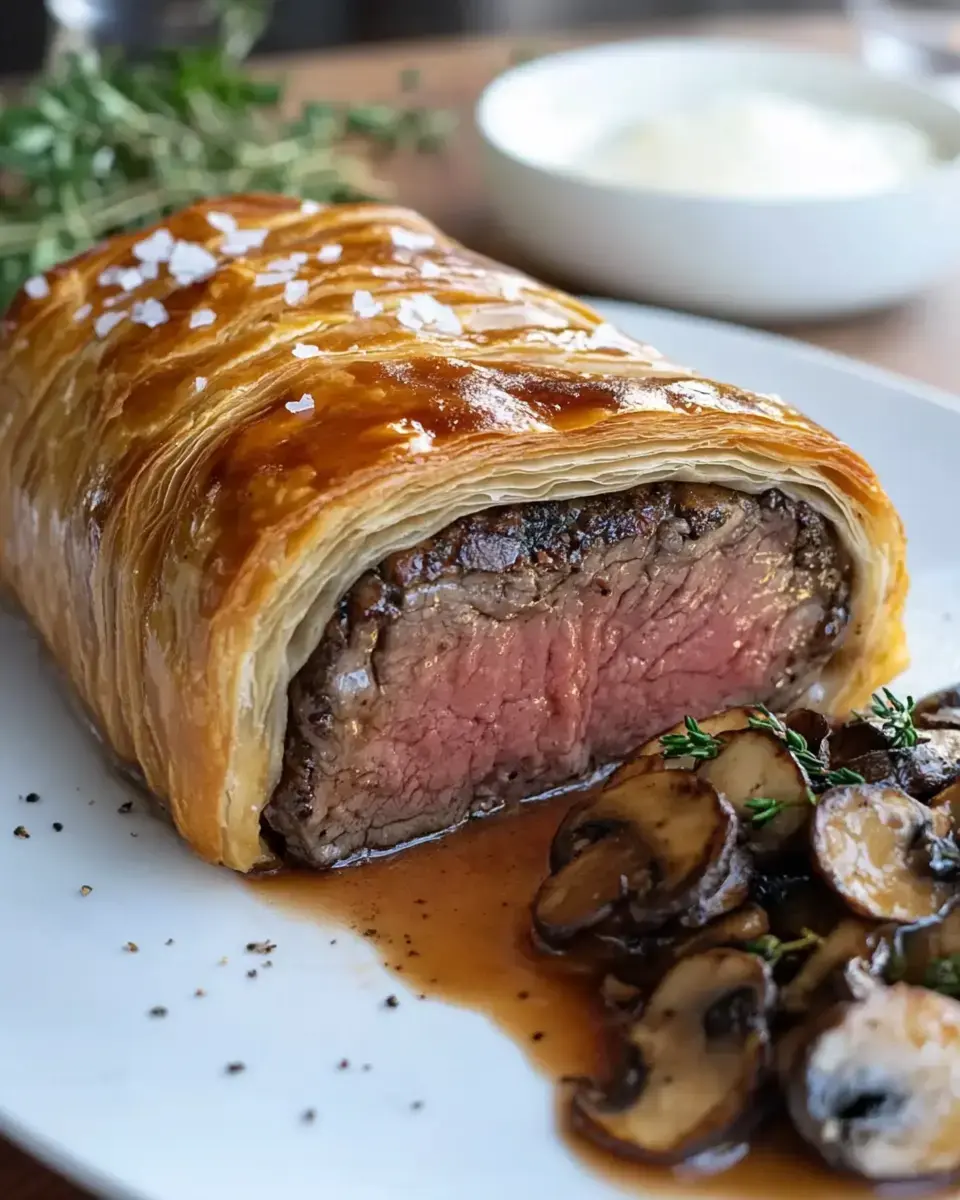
pixel 25 25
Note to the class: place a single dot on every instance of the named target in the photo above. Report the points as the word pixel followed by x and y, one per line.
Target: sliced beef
pixel 523 648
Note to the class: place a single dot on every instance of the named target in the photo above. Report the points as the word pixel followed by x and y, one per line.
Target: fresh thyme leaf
pixel 842 777
pixel 695 743
pixel 896 718
pixel 773 949
pixel 804 757
pixel 943 975
pixel 102 145
pixel 765 810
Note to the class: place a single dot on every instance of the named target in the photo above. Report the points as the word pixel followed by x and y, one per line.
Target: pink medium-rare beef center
pixel 523 648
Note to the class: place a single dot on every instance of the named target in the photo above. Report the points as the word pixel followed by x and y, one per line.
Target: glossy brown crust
pixel 182 504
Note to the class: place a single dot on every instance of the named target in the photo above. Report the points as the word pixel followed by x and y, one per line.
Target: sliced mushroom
pixel 734 929
pixel 671 841
pixel 868 845
pixel 720 722
pixel 585 892
pixel 646 764
pixel 755 765
pixel 853 740
pixel 693 1065
pixel 812 983
pixel 939 710
pixel 922 770
pixel 949 800
pixel 812 726
pixel 873 1086
pixel 730 895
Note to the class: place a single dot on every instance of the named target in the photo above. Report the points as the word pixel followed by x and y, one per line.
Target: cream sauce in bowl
pixel 761 145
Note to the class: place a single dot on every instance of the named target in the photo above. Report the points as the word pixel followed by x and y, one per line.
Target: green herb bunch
pixel 103 144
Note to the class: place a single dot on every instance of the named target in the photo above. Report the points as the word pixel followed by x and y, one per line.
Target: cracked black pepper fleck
pixel 20 832
pixel 86 889
pixel 391 1002
pixel 57 827
pixel 132 947
pixel 538 1036
pixel 199 992
pixel 168 942
pixel 158 1011
pixel 417 1105
pixel 343 1064
pixel 265 947
pixel 252 973
pixel 308 1116
pixel 31 798
pixel 235 1068
pixel 125 807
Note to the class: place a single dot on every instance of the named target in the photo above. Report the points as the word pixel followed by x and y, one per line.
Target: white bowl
pixel 758 259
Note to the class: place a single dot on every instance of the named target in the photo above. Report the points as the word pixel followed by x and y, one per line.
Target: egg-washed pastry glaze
pixel 210 429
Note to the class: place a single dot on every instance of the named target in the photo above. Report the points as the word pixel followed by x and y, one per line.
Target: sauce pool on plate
pixel 452 919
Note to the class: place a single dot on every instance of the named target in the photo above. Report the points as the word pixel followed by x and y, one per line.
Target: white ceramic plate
pixel 135 1107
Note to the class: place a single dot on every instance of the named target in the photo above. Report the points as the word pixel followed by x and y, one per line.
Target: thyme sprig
pixel 765 809
pixel 695 743
pixel 773 949
pixel 102 145
pixel 796 743
pixel 896 718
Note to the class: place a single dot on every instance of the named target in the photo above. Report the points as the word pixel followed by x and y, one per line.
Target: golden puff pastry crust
pixel 210 429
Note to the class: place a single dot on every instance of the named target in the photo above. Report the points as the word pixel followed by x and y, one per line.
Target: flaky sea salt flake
pixel 295 291
pixel 107 321
pixel 364 304
pixel 200 383
pixel 83 312
pixel 406 239
pixel 190 263
pixel 225 222
pixel 293 262
pixel 304 404
pixel 270 278
pixel 303 350
pixel 310 208
pixel 157 248
pixel 202 316
pixel 330 253
pixel 608 337
pixel 130 278
pixel 240 241
pixel 408 315
pixel 430 270
pixel 150 313
pixel 438 315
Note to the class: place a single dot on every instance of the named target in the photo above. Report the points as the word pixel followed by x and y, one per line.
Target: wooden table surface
pixel 917 339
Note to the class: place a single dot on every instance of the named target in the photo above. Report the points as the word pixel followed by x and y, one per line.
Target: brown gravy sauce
pixel 451 918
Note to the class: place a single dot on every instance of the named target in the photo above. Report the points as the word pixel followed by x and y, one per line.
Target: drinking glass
pixel 139 26
pixel 920 38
